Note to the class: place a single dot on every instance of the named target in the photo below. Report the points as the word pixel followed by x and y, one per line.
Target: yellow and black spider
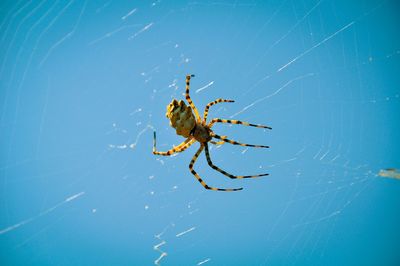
pixel 193 128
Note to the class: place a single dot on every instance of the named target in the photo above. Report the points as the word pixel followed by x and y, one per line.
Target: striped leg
pixel 180 148
pixel 201 180
pixel 225 173
pixel 224 139
pixel 189 100
pixel 211 104
pixel 236 122
pixel 218 142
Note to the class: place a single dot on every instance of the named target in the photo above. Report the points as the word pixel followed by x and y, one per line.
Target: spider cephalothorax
pixel 194 128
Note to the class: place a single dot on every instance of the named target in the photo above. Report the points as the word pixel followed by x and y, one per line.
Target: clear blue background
pixel 83 84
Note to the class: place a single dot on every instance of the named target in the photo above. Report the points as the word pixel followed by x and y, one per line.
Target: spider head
pixel 181 117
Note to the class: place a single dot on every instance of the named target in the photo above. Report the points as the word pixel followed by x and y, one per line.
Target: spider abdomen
pixel 181 117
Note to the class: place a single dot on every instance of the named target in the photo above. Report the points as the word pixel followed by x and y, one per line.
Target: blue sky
pixel 83 85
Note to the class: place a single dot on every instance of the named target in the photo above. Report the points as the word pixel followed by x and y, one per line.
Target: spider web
pixel 84 84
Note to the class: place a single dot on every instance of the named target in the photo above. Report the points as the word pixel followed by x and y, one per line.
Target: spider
pixel 194 128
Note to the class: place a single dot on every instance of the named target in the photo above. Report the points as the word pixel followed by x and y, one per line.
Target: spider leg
pixel 180 148
pixel 199 178
pixel 218 142
pixel 211 104
pixel 224 139
pixel 213 166
pixel 237 122
pixel 189 100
